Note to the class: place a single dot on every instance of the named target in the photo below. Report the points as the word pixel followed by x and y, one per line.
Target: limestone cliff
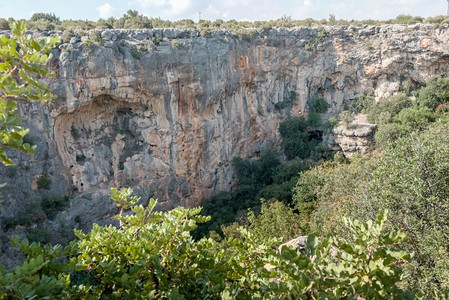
pixel 165 110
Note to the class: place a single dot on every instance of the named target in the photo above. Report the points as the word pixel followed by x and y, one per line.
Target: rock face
pixel 165 110
pixel 357 137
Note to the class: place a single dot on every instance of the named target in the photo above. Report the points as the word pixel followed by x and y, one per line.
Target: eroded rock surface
pixel 357 137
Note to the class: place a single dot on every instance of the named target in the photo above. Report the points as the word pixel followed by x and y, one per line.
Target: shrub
pixel 318 105
pixel 290 169
pixel 314 119
pixel 52 205
pixel 95 37
pixel 41 25
pixel 176 44
pixel 281 192
pixel 416 118
pixel 132 19
pixel 262 178
pixel 436 19
pixel 22 219
pixel 39 235
pixel 305 195
pixel 333 121
pixel 408 19
pixel 135 53
pixel 346 117
pixel 406 121
pixel 295 138
pixel 434 93
pixel 80 158
pixel 275 220
pixel 320 152
pixel 389 133
pixel 31 214
pixel 408 176
pixel 246 34
pixel 67 35
pixel 265 167
pixel 318 40
pixel 407 86
pixel 391 105
pixel 288 99
pixel 50 17
pixel 43 182
pixel 363 103
pixel 4 24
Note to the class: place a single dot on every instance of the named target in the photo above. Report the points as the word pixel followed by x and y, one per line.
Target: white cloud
pixel 106 10
pixel 179 6
pixel 148 3
pixel 165 7
pixel 308 3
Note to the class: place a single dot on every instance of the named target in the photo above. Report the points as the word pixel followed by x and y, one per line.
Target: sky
pixel 241 10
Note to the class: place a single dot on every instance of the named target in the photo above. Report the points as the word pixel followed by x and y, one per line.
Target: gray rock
pixel 108 35
pixel 109 44
pixel 75 39
pixel 298 243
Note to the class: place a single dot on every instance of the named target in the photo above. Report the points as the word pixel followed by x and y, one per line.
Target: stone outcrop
pixel 164 111
pixel 357 137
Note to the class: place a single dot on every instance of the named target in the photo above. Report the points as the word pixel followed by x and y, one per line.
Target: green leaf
pixel 35 45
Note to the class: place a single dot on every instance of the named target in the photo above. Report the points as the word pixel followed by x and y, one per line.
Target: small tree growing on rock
pixel 346 118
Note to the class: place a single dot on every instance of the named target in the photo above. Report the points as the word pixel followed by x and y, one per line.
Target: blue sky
pixel 231 9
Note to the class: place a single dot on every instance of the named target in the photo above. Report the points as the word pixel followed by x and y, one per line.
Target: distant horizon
pixel 243 10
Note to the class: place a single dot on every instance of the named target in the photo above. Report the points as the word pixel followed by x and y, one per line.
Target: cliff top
pixel 169 33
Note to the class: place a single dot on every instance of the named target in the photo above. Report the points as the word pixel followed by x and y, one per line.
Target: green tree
pixel 346 117
pixel 4 24
pixel 295 138
pixel 390 107
pixel 275 220
pixel 318 105
pixel 50 17
pixel 435 92
pixel 152 255
pixel 23 60
pixel 132 19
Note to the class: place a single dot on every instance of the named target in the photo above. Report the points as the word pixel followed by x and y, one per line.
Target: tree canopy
pixel 22 62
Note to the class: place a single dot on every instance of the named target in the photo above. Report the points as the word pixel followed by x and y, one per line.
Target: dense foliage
pixel 407 174
pixel 152 255
pixel 295 138
pixel 409 177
